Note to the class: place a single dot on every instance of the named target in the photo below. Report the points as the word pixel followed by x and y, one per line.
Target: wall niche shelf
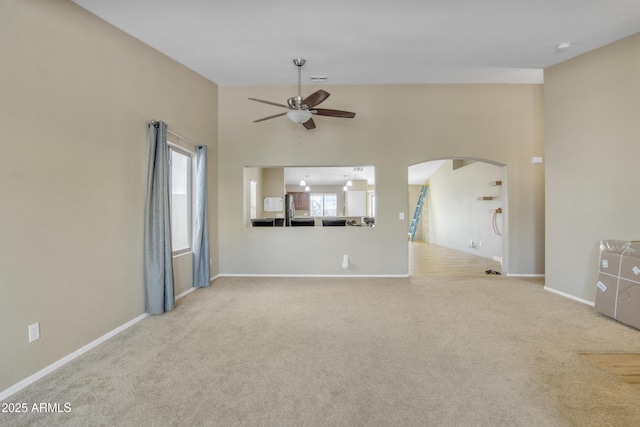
pixel 485 198
pixel 495 183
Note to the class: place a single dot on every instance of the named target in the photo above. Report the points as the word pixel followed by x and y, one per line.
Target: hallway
pixel 426 259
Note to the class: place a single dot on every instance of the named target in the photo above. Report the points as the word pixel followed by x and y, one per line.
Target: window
pixel 254 199
pixel 372 204
pixel 180 200
pixel 323 204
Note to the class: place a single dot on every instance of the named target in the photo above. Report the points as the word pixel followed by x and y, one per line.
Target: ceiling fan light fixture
pixel 302 109
pixel 299 116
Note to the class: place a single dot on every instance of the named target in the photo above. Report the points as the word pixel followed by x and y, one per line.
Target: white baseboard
pixel 41 373
pixel 525 275
pixel 58 364
pixel 185 293
pixel 566 295
pixel 316 275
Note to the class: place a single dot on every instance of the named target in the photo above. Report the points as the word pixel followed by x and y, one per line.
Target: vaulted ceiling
pixel 253 42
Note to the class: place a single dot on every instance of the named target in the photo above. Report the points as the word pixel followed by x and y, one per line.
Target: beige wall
pixel 395 126
pixel 592 141
pixel 76 95
pixel 273 182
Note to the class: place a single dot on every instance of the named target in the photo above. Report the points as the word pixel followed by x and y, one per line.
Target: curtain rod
pixel 153 122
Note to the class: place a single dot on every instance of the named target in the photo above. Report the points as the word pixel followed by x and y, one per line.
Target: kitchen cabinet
pixel 300 200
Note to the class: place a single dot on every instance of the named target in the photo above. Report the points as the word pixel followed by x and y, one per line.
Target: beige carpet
pixel 490 351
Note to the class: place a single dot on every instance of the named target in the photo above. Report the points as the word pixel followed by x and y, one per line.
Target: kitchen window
pixel 323 204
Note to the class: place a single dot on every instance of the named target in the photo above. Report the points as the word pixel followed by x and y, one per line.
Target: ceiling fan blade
pixel 334 113
pixel 269 117
pixel 269 102
pixel 309 124
pixel 316 98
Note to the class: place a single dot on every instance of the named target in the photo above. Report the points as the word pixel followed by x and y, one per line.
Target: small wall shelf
pixel 485 198
pixel 494 183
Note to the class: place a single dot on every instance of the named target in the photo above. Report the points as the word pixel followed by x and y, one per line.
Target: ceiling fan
pixel 301 110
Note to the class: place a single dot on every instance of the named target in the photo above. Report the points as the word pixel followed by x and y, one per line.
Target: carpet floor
pixel 420 351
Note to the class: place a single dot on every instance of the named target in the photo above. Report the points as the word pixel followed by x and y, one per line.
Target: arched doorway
pixel 462 220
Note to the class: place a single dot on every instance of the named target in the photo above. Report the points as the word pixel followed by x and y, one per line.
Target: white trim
pixel 314 275
pixel 214 278
pixel 185 150
pixel 566 295
pixel 55 365
pixel 185 293
pixel 525 275
pixel 58 364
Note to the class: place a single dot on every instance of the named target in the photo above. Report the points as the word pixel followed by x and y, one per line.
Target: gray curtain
pixel 158 270
pixel 201 229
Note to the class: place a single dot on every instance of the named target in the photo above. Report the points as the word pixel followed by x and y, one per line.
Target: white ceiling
pixel 253 42
pixel 329 175
pixel 420 173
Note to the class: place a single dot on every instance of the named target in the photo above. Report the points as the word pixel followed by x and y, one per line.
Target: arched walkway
pixel 463 218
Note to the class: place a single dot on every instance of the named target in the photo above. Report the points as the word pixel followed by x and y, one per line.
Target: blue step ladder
pixel 416 215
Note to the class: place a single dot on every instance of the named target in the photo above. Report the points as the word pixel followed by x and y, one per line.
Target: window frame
pixel 190 199
pixel 253 199
pixel 324 194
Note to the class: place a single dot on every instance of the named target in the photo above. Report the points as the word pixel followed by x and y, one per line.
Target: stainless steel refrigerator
pixel 289 210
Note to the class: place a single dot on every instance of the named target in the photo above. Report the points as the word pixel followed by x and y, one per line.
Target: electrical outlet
pixel 34 332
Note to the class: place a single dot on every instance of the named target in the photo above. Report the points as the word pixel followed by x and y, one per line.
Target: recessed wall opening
pixel 292 196
pixel 458 222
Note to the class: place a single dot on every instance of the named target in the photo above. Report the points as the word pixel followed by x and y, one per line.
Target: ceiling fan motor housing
pixel 296 103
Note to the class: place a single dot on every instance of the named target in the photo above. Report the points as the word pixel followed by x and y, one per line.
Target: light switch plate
pixel 536 160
